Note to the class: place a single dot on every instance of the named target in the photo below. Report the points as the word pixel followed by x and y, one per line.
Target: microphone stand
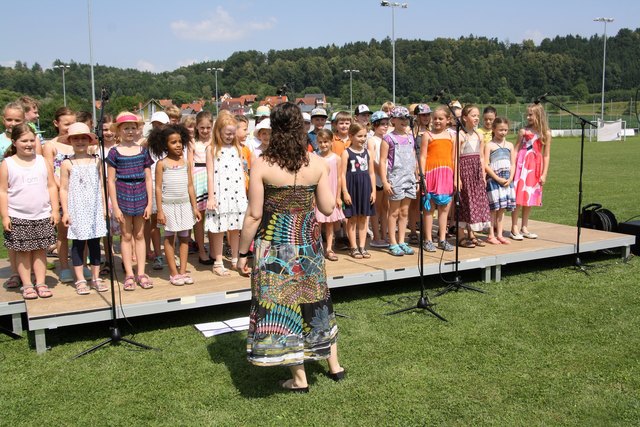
pixel 114 331
pixel 423 301
pixel 457 283
pixel 583 123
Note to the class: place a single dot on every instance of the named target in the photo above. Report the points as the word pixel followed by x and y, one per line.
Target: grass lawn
pixel 547 345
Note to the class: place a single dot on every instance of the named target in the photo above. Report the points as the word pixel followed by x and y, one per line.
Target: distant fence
pixel 564 124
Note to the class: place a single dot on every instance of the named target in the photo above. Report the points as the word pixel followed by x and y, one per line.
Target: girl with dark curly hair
pixel 291 316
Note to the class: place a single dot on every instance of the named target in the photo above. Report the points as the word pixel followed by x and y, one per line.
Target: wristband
pixel 243 255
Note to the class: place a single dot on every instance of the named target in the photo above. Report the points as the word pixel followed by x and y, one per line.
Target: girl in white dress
pixel 227 201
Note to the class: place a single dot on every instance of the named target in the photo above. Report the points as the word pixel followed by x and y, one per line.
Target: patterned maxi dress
pixel 474 205
pixel 291 318
pixel 529 171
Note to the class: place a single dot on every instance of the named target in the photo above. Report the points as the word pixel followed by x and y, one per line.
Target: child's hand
pixel 117 213
pixel 347 199
pixel 506 182
pixel 6 223
pixel 543 179
pixel 338 202
pixel 161 219
pixel 55 218
pixel 147 212
pixel 197 215
pixel 212 204
pixel 387 188
pixel 372 199
pixel 66 221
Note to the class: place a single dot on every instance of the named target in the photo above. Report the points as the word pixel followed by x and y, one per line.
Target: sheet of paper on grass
pixel 216 328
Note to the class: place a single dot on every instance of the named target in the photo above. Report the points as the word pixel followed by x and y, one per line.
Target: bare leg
pixel 494 225
pixel 384 215
pixel 351 231
pixel 12 261
pixel 155 235
pixel 328 231
pixel 184 253
pixel 499 216
pixel 413 214
pixel 217 239
pixel 62 247
pixel 169 254
pixel 394 213
pixel 138 236
pixel 428 224
pixel 233 237
pixel 514 220
pixel 23 265
pixel 299 376
pixel 443 217
pixel 361 225
pixel 39 260
pixel 126 245
pixel 526 211
pixel 403 218
pixel 198 233
pixel 332 361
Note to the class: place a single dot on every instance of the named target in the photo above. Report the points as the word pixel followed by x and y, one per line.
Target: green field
pixel 547 345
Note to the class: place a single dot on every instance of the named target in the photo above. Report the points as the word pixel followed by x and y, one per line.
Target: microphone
pixel 439 95
pixel 104 94
pixel 540 98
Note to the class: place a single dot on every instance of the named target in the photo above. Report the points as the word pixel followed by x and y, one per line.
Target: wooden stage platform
pixel 67 308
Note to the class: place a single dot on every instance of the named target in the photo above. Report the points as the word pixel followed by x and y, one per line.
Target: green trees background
pixel 475 69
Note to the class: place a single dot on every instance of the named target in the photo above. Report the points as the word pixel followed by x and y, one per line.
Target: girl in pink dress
pixel 532 164
pixel 324 141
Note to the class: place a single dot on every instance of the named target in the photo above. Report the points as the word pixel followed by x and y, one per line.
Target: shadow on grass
pixel 250 380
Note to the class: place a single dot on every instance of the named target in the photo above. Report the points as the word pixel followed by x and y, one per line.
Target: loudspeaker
pixel 633 228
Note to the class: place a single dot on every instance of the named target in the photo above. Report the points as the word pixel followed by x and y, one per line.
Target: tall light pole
pixel 63 67
pixel 393 6
pixel 215 70
pixel 351 87
pixel 604 61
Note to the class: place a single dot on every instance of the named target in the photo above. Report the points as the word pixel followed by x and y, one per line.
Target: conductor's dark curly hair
pixel 288 145
pixel 157 140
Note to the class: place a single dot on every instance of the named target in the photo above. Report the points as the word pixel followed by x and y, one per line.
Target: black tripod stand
pixel 114 331
pixel 423 301
pixel 9 333
pixel 583 123
pixel 457 283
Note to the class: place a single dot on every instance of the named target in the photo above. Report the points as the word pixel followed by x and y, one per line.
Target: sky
pixel 164 35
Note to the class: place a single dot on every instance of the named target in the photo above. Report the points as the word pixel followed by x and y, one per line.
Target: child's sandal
pixel 365 254
pixel 98 285
pixel 29 292
pixel 43 291
pixel 188 280
pixel 82 288
pixel 144 282
pixel 331 255
pixel 396 250
pixel 13 282
pixel 355 253
pixel 129 283
pixel 219 269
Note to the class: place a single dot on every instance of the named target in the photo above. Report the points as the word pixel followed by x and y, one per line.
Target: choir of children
pixel 201 177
